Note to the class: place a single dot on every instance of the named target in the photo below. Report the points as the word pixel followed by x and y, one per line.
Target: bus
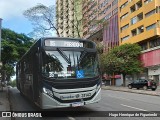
pixel 60 72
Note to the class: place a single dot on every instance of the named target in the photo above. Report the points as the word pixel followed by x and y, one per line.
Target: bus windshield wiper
pixel 64 56
pixel 82 56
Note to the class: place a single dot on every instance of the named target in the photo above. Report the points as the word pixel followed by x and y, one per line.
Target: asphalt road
pixel 111 101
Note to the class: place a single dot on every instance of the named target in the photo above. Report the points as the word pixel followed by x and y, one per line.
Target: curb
pixel 130 91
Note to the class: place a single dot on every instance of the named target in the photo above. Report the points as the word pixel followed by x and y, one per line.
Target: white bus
pixel 60 72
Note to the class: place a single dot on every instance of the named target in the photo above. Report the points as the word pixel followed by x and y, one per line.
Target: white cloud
pixel 15 8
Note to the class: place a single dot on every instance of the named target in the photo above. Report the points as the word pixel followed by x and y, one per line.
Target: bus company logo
pixel 67 97
pixel 6 114
pixel 77 96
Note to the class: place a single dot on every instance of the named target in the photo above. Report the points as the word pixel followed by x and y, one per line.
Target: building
pixel 139 22
pixel 69 15
pixel 90 15
pixel 100 21
pixel 111 31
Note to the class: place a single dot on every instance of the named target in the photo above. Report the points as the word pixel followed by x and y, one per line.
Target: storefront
pixel 151 61
pixel 154 73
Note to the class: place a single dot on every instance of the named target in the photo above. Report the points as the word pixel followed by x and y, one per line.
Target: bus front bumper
pixel 49 102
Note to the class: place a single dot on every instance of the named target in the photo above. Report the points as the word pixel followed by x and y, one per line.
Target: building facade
pixel 69 15
pixel 101 22
pixel 139 22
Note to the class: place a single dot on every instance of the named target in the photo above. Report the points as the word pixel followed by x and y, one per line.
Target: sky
pixel 11 11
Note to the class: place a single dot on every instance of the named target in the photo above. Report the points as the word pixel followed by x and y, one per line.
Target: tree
pixel 122 59
pixel 43 19
pixel 14 46
pixel 12 83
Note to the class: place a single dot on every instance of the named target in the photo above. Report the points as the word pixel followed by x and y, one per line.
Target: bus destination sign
pixel 61 43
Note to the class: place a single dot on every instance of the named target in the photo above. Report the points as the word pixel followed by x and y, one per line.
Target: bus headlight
pixel 48 92
pixel 44 90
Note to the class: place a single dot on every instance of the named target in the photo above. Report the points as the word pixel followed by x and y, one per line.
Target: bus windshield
pixel 69 64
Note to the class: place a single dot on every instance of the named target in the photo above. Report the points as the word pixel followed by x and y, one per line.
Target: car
pixel 143 83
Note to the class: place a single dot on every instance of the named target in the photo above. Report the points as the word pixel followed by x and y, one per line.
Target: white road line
pixel 134 107
pixel 71 118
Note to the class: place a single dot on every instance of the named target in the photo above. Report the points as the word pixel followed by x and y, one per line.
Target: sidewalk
pixel 133 90
pixel 4 102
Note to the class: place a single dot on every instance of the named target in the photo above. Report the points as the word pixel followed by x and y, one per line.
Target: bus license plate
pixel 76 104
pixel 153 86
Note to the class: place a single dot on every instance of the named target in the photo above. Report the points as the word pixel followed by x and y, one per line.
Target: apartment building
pixel 100 21
pixel 69 15
pixel 111 32
pixel 139 22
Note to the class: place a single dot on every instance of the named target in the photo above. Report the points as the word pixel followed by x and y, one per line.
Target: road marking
pixel 71 118
pixel 134 107
pixel 118 97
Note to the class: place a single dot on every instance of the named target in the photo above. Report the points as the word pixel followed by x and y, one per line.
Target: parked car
pixel 142 83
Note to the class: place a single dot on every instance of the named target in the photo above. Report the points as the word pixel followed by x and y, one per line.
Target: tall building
pixel 111 32
pixel 100 21
pixel 90 14
pixel 139 22
pixel 69 15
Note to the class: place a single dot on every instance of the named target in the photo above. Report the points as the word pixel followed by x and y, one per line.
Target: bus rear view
pixel 67 73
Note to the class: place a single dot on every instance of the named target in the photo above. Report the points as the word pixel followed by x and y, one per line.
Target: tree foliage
pixel 43 19
pixel 12 83
pixel 122 59
pixel 14 46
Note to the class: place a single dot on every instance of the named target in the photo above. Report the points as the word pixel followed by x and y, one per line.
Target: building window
pixel 144 46
pixel 122 6
pixel 123 16
pixel 147 1
pixel 158 9
pixel 114 2
pixel 134 32
pixel 103 4
pixel 115 11
pixel 150 13
pixel 140 29
pixel 133 8
pixel 125 38
pixel 139 4
pixel 106 9
pixel 108 16
pixel 151 27
pixel 140 16
pixel 124 27
pixel 133 20
pixel 154 43
pixel 136 18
